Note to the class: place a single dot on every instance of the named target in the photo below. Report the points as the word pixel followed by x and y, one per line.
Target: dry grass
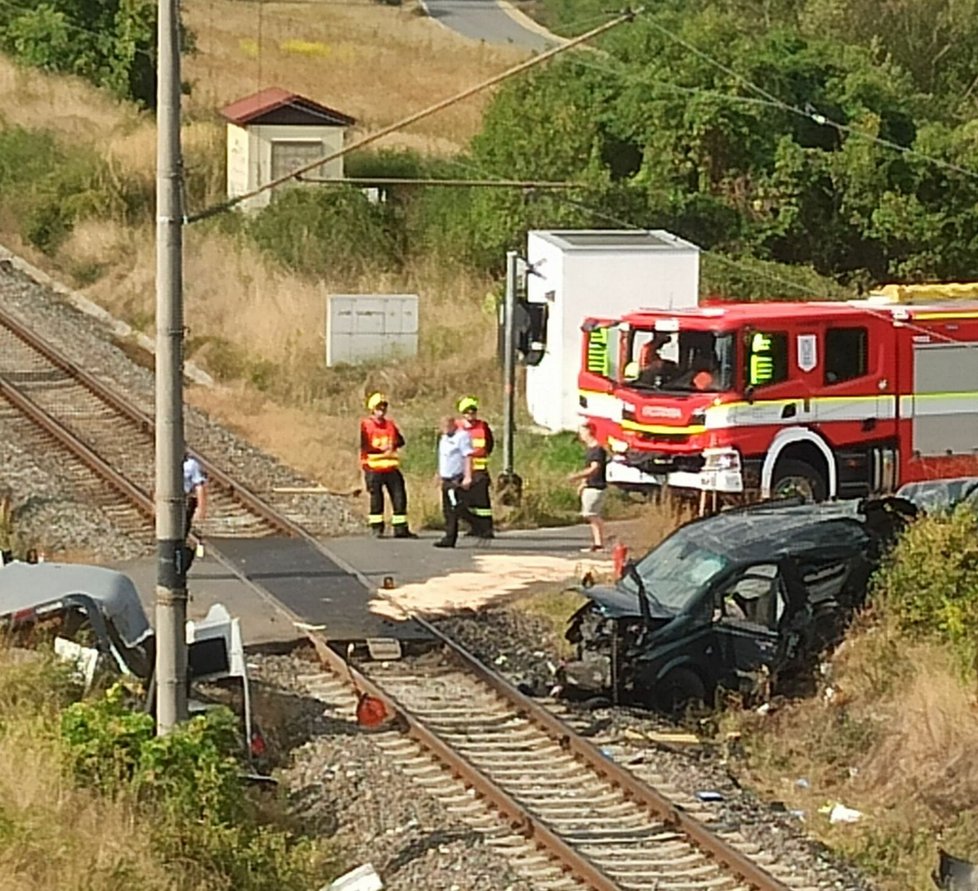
pixel 52 835
pixel 895 739
pixel 374 62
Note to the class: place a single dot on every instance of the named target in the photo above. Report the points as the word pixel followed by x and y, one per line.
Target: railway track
pixel 563 812
pixel 566 815
pixel 113 440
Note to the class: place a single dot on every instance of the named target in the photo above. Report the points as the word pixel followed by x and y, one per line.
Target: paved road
pixel 324 593
pixel 489 21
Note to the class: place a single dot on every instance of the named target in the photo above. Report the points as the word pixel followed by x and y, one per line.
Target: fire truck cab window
pixel 680 360
pixel 846 354
pixel 767 358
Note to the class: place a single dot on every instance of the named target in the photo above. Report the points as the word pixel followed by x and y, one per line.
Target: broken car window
pixel 753 595
pixel 677 572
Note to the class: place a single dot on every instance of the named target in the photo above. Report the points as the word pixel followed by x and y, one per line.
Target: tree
pixel 111 43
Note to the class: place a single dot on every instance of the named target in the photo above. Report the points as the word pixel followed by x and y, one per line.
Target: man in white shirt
pixel 194 491
pixel 455 475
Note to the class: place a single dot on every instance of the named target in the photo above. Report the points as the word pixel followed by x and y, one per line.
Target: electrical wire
pixel 810 113
pixel 631 224
pixel 413 118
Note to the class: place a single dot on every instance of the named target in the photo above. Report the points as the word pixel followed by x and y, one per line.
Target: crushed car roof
pixel 941 495
pixel 30 586
pixel 771 530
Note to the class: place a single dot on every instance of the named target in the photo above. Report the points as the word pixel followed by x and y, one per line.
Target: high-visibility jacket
pixel 376 438
pixel 482 442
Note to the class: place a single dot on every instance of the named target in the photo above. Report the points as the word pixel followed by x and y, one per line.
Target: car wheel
pixel 678 690
pixel 798 479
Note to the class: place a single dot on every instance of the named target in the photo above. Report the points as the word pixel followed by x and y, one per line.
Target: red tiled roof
pixel 246 110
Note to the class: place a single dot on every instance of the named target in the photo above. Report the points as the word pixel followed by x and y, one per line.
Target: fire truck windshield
pixel 680 360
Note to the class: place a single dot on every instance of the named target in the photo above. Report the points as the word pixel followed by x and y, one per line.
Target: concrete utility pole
pixel 509 364
pixel 171 578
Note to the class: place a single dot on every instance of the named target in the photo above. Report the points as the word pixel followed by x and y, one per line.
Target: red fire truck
pixel 821 399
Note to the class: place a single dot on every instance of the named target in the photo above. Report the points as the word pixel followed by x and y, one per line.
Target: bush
pixel 328 230
pixel 929 583
pixel 188 785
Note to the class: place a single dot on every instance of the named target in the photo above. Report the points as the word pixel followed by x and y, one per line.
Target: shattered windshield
pixel 681 360
pixel 677 571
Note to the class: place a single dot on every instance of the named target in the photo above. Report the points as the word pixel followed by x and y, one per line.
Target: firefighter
pixel 478 500
pixel 654 370
pixel 379 441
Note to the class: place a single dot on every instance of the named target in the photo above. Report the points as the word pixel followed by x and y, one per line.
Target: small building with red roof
pixel 274 132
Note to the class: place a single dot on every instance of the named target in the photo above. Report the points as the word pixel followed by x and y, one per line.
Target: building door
pixel 289 155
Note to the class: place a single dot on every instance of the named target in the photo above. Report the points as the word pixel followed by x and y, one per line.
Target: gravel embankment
pixel 87 342
pixel 46 515
pixel 522 647
pixel 341 784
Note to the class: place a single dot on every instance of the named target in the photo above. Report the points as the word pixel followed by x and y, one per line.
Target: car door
pixel 748 607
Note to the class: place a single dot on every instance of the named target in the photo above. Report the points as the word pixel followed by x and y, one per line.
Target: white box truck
pixel 596 272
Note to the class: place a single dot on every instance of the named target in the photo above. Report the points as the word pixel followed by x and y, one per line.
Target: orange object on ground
pixel 619 554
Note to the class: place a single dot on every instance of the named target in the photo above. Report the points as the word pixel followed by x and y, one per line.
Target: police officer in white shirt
pixel 455 475
pixel 194 491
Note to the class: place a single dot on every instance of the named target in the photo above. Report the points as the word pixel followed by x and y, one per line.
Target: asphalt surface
pixel 287 580
pixel 489 21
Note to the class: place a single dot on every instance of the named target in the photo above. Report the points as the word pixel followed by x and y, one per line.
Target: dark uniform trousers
pixel 189 512
pixel 479 504
pixel 392 480
pixel 455 506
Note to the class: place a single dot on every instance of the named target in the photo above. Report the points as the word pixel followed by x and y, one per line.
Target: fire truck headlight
pixel 617 446
pixel 721 459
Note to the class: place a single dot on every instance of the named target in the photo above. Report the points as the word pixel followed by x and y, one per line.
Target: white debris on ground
pixel 494 578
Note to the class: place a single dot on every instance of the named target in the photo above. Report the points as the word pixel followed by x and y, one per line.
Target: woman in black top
pixel 592 485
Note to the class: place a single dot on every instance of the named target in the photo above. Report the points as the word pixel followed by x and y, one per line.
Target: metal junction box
pixel 369 327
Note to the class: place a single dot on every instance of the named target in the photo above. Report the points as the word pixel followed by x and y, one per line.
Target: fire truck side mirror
pixel 749 394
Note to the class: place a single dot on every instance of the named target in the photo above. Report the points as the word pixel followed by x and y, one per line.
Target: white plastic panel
pixel 368 327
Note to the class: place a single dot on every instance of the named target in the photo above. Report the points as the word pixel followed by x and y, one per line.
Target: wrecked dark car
pixel 942 495
pixel 744 601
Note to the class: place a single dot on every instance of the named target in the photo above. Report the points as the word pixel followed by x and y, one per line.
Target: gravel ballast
pixel 340 782
pixel 523 648
pixel 89 343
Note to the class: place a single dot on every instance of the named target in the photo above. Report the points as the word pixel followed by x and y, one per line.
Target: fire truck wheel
pixel 680 689
pixel 794 478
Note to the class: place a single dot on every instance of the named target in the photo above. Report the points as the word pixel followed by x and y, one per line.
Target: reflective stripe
pixel 478 442
pixel 659 428
pixel 381 462
pixel 481 511
pixel 373 519
pixel 398 519
pixel 597 352
pixel 929 316
pixel 939 404
pixel 480 463
pixel 600 405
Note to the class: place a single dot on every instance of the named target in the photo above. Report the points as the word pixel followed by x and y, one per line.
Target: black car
pixel 744 599
pixel 942 495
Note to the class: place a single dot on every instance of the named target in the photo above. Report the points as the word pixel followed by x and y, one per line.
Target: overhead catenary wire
pixel 452 183
pixel 630 224
pixel 809 113
pixel 413 118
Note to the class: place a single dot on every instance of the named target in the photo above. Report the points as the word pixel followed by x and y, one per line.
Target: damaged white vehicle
pixel 98 621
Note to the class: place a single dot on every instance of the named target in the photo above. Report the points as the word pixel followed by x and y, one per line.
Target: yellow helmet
pixel 467 402
pixel 376 399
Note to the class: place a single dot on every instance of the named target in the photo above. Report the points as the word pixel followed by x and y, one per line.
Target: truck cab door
pixel 598 376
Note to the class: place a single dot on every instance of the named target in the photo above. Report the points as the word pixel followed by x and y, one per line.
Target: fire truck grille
pixel 663 462
pixel 670 438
